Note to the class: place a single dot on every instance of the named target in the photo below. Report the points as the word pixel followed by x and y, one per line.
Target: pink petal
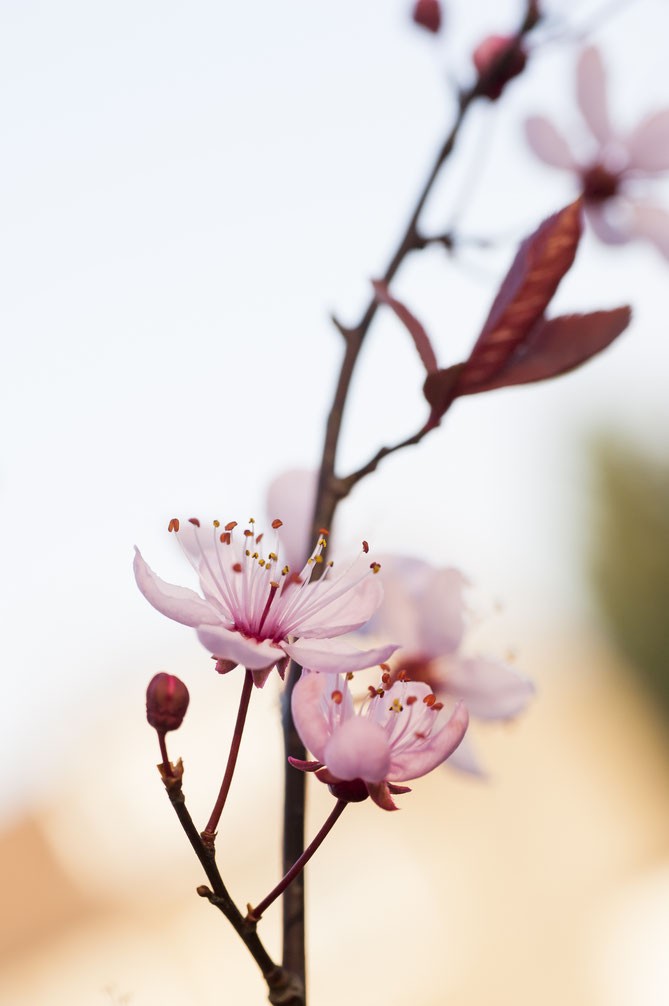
pixel 652 224
pixel 464 759
pixel 179 603
pixel 422 606
pixel 346 613
pixel 310 720
pixel 591 93
pixel 291 498
pixel 358 749
pixel 232 645
pixel 549 146
pixel 607 232
pixel 490 689
pixel 334 656
pixel 648 144
pixel 415 762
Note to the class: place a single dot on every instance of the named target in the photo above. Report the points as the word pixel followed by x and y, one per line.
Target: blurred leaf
pixel 557 346
pixel 630 557
pixel 542 260
pixel 411 323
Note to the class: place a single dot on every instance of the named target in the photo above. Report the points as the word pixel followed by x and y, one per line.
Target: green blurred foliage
pixel 629 556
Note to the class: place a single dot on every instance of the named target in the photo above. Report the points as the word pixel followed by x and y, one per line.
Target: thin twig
pixel 255 914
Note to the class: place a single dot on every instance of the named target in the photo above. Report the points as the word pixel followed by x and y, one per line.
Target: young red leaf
pixel 411 323
pixel 542 260
pixel 556 346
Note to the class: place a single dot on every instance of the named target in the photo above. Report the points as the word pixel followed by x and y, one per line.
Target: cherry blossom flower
pixel 256 611
pixel 609 178
pixel 397 735
pixel 426 609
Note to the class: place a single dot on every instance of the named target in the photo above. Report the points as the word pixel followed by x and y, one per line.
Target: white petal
pixel 310 721
pixel 549 145
pixel 334 656
pixel 231 645
pixel 291 498
pixel 648 144
pixel 179 603
pixel 490 689
pixel 652 224
pixel 591 93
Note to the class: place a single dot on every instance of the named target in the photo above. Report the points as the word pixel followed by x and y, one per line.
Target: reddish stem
pixel 256 913
pixel 210 831
pixel 167 768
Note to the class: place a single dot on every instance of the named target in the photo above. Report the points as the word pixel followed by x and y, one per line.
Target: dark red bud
pixel 166 702
pixel 498 59
pixel 427 13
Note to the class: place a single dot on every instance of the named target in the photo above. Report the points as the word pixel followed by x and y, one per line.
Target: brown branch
pixel 284 988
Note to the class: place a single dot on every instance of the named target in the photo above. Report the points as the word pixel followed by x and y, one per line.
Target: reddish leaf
pixel 411 323
pixel 556 346
pixel 439 388
pixel 542 260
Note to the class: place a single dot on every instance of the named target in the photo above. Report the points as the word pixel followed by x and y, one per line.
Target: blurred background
pixel 190 191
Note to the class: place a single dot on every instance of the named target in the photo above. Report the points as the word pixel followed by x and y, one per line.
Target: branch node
pixel 172 777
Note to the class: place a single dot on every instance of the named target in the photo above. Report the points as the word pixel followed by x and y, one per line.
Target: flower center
pixel 599 184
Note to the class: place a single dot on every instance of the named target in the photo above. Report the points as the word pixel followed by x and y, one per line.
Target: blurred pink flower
pixel 608 178
pixel 393 738
pixel 428 14
pixel 425 607
pixel 254 606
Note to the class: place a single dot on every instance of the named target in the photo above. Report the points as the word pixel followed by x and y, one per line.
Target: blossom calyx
pixel 167 700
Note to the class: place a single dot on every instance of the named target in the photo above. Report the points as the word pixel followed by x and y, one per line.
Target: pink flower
pixel 425 607
pixel 394 738
pixel 256 612
pixel 427 14
pixel 609 177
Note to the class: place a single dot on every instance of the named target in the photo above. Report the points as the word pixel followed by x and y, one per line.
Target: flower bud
pixel 353 790
pixel 427 13
pixel 489 58
pixel 166 702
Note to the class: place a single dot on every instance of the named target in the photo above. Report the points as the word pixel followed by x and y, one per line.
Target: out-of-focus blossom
pixel 396 736
pixel 427 13
pixel 498 59
pixel 609 177
pixel 256 611
pixel 425 607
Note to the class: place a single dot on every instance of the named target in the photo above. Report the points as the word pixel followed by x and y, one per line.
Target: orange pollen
pixel 375 566
pixel 350 675
pixel 225 537
pixel 337 697
pixel 173 524
pixel 237 567
pixel 437 706
pixel 386 679
pixel 277 523
pixel 258 538
pixel 384 667
pixel 217 523
pixel 372 691
pixel 365 547
pixel 247 533
pixel 411 699
pixel 295 578
pixel 323 530
pixel 194 520
pixel 403 676
pixel 232 524
pixel 430 700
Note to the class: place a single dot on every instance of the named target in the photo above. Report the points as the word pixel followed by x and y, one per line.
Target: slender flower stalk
pixel 255 914
pixel 209 832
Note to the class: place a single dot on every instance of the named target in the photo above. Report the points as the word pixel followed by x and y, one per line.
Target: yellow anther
pixel 319 558
pixel 261 562
pixel 255 555
pixel 350 675
pixel 247 552
pixel 217 523
pixel 272 556
pixel 323 543
pixel 285 571
pixel 251 520
pixel 396 707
